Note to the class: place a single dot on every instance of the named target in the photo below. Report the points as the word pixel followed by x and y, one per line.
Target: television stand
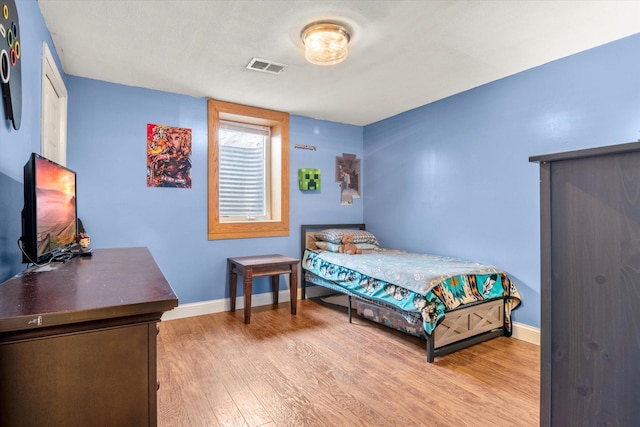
pixel 78 341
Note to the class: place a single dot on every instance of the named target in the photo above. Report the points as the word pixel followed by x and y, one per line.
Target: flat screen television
pixel 49 216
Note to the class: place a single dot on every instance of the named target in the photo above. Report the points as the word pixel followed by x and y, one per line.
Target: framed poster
pixel 348 175
pixel 168 156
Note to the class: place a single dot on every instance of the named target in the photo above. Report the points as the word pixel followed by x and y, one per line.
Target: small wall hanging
pixel 309 179
pixel 348 175
pixel 168 156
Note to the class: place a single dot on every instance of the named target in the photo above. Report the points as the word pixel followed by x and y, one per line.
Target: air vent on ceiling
pixel 265 66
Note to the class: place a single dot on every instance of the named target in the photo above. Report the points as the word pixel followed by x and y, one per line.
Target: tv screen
pixel 49 217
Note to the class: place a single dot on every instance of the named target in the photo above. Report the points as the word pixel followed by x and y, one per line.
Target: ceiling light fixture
pixel 325 43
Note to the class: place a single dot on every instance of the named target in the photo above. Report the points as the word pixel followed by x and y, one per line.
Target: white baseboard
pixel 526 333
pixel 197 309
pixel 520 331
pixel 217 306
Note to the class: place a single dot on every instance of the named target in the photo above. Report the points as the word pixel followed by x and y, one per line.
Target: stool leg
pixel 248 278
pixel 293 284
pixel 275 283
pixel 233 288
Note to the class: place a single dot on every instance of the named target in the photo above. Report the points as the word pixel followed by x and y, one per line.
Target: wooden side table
pixel 263 265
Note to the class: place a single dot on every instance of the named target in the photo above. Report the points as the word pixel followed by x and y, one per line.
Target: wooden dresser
pixel 78 341
pixel 590 287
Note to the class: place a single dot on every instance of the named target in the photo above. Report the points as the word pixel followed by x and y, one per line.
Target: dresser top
pixel 112 283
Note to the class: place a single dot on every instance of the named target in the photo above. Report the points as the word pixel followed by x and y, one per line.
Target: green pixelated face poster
pixel 309 179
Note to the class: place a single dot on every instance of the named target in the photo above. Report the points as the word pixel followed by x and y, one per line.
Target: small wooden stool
pixel 262 265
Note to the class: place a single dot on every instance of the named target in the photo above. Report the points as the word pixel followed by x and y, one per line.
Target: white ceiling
pixel 403 54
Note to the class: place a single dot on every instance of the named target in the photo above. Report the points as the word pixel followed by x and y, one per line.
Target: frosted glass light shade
pixel 325 43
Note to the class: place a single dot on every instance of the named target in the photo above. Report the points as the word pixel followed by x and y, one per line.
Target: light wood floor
pixel 316 369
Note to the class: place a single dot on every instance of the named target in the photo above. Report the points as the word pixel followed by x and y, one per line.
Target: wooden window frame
pixel 279 204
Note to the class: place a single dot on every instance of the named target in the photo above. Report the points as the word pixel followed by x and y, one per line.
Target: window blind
pixel 242 171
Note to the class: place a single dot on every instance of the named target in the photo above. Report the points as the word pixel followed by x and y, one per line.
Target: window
pixel 248 171
pixel 243 171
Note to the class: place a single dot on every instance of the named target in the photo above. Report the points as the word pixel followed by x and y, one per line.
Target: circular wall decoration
pixel 10 62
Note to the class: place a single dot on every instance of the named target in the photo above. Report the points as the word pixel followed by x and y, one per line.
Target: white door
pixel 54 110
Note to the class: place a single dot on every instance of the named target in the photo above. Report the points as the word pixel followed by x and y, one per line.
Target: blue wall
pixel 459 168
pixel 16 146
pixel 107 149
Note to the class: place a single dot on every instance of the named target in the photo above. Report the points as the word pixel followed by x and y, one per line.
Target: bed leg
pixel 349 307
pixel 506 331
pixel 506 326
pixel 430 348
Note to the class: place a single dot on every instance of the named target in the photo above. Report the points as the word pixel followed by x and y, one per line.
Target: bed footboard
pixel 459 329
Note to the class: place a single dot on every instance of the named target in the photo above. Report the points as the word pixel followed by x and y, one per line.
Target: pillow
pixel 334 235
pixel 335 247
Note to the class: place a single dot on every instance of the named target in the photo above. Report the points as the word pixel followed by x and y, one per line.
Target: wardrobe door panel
pixel 595 290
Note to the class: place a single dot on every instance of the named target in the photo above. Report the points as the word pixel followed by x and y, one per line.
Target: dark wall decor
pixel 11 69
pixel 10 62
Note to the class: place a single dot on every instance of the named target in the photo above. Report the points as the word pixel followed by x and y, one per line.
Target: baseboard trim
pixel 526 333
pixel 216 306
pixel 197 309
pixel 520 331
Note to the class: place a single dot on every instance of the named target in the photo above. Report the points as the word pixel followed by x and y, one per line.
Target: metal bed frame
pixel 433 349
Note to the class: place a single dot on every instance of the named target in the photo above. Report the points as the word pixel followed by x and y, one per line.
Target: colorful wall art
pixel 168 156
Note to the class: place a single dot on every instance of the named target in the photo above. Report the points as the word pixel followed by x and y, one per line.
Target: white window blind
pixel 243 174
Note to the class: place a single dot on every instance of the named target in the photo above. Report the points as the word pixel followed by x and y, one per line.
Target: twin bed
pixel 449 302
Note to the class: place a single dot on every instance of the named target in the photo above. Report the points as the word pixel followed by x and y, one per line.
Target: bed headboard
pixel 308 238
pixel 307 234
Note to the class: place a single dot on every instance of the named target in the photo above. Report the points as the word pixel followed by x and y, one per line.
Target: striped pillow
pixel 334 235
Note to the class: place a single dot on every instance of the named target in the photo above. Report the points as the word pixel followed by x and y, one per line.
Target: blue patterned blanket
pixel 428 285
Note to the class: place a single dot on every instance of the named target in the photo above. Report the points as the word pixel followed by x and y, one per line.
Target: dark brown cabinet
pixel 590 290
pixel 78 342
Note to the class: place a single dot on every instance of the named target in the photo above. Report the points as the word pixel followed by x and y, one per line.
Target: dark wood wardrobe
pixel 590 287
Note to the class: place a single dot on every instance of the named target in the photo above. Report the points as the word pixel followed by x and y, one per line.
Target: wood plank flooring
pixel 316 369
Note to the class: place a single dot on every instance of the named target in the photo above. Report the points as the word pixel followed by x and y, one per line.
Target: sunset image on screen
pixel 56 206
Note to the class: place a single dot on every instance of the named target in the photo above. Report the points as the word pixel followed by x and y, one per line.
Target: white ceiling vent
pixel 265 66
